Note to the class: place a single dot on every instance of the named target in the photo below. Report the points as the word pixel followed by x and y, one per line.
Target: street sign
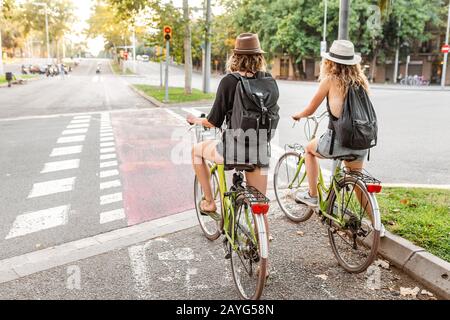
pixel 445 48
pixel 167 33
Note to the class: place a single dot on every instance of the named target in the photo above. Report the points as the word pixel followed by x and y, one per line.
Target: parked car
pixel 145 58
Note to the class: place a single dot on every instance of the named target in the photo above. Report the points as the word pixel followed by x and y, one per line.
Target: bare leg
pixel 312 167
pixel 205 150
pixel 257 179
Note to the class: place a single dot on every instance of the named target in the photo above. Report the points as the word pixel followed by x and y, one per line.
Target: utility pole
pixel 2 71
pixel 323 45
pixel 134 49
pixel 43 4
pixel 344 10
pixel 444 67
pixel 207 66
pixel 397 53
pixel 187 50
pixel 166 97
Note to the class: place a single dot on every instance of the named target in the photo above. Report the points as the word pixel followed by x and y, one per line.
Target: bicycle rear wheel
pixel 287 184
pixel 355 246
pixel 249 260
pixel 210 225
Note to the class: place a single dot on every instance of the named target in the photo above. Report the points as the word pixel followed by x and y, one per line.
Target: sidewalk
pixel 184 265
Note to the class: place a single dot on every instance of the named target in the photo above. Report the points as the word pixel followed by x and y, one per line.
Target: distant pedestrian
pixel 62 70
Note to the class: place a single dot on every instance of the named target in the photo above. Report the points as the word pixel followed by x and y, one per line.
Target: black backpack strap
pixel 333 137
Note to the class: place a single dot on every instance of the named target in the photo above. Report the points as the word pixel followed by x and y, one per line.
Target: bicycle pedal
pixel 228 256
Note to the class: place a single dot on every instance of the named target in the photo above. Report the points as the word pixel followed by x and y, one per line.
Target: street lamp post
pixel 444 67
pixel 207 66
pixel 1 50
pixel 344 10
pixel 43 4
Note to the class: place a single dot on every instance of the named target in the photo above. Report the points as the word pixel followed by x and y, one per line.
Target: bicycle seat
pixel 240 167
pixel 350 157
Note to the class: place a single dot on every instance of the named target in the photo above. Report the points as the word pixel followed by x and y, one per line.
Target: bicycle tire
pixel 371 243
pixel 259 276
pixel 299 212
pixel 215 232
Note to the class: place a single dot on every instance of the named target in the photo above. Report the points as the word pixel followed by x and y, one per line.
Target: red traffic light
pixel 167 33
pixel 167 30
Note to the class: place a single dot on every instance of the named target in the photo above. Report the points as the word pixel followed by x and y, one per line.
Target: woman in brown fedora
pixel 247 60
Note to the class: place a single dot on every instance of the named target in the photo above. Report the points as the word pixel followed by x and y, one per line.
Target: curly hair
pixel 344 75
pixel 248 63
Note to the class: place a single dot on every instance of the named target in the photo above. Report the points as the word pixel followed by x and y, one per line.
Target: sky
pixel 83 11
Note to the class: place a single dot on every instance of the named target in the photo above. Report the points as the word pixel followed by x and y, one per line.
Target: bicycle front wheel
pixel 249 256
pixel 355 245
pixel 289 179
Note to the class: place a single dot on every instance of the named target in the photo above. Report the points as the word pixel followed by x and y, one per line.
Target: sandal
pixel 213 214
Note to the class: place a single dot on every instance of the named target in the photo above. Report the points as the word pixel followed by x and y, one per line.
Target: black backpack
pixel 256 108
pixel 357 127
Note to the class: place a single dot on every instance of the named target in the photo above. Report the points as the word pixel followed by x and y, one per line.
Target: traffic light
pixel 167 33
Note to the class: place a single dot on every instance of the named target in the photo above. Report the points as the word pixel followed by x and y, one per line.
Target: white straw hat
pixel 343 52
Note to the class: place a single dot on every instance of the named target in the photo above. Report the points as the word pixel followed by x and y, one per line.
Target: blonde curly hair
pixel 248 63
pixel 345 76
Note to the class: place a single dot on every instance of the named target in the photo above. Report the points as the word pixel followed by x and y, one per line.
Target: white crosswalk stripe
pixel 110 198
pixel 110 184
pixel 109 173
pixel 52 187
pixel 71 139
pixel 32 222
pixel 74 131
pixel 61 165
pixel 66 151
pixel 113 215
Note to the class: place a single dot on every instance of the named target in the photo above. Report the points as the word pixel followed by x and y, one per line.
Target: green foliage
pixel 176 95
pixel 419 215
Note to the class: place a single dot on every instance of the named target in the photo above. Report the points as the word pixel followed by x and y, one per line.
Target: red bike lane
pixel 153 185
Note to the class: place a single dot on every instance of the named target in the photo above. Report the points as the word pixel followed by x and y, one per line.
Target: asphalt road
pixel 185 265
pixel 84 155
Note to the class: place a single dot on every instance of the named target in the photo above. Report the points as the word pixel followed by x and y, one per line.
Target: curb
pixel 159 104
pixel 45 259
pixel 423 266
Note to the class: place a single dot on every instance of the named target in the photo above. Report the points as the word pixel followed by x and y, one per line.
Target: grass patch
pixel 19 76
pixel 420 215
pixel 176 95
pixel 117 69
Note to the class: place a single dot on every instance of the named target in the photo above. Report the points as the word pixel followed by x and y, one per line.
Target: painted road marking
pixel 82 117
pixel 108 130
pixel 78 126
pixel 108 156
pixel 108 164
pixel 111 216
pixel 52 187
pixel 193 111
pixel 66 151
pixel 80 121
pixel 110 198
pixel 74 131
pixel 106 134
pixel 39 220
pixel 105 139
pixel 176 115
pixel 107 144
pixel 107 150
pixel 110 184
pixel 109 173
pixel 71 139
pixel 61 165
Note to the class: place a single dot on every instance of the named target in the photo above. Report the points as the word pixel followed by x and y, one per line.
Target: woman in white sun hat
pixel 340 69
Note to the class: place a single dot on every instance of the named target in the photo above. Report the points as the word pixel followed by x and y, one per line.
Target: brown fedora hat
pixel 247 43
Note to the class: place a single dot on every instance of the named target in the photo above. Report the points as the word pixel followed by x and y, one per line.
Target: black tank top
pixel 332 117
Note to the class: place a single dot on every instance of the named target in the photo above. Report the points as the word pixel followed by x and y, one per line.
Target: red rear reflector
pixel 374 188
pixel 260 208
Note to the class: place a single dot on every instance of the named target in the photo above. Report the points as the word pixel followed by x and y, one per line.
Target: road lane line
pixel 111 216
pixel 32 222
pixel 51 187
pixel 78 126
pixel 106 130
pixel 193 111
pixel 82 117
pixel 107 150
pixel 107 144
pixel 109 173
pixel 71 139
pixel 106 139
pixel 63 151
pixel 108 164
pixel 176 115
pixel 110 184
pixel 106 134
pixel 61 165
pixel 80 121
pixel 110 198
pixel 74 131
pixel 108 156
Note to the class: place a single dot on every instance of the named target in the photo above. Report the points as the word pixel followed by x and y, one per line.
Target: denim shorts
pixel 323 148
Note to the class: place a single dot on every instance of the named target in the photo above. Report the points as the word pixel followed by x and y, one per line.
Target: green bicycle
pixel 347 206
pixel 242 221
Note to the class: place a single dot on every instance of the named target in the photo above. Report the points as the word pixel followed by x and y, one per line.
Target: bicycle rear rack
pixel 253 195
pixel 363 176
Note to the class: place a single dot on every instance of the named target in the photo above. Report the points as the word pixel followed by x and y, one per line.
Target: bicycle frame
pixel 227 206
